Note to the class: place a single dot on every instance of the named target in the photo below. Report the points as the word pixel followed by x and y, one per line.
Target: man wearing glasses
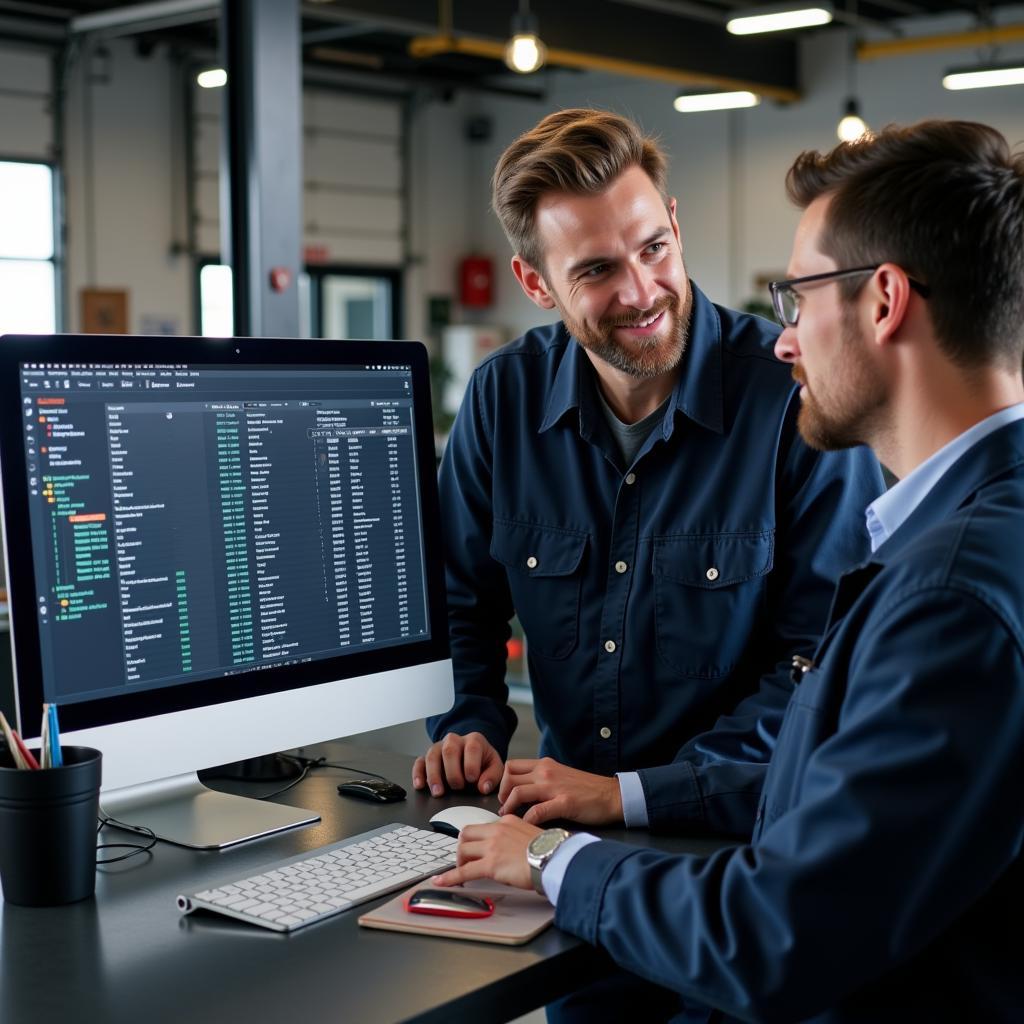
pixel 886 870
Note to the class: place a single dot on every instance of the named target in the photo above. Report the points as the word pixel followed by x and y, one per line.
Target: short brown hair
pixel 577 151
pixel 945 201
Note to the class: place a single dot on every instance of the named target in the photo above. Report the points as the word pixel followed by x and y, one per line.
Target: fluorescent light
pixel 696 102
pixel 777 20
pixel 982 77
pixel 214 78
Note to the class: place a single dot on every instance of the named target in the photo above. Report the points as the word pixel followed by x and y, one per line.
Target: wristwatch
pixel 541 850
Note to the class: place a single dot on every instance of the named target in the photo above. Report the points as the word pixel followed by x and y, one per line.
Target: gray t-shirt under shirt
pixel 630 437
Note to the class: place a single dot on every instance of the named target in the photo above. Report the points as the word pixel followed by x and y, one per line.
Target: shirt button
pixel 531 562
pixel 621 567
pixel 606 733
pixel 712 574
pixel 609 646
pixel 631 478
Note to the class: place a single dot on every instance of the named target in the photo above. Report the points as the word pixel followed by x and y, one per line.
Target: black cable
pixel 136 848
pixel 308 764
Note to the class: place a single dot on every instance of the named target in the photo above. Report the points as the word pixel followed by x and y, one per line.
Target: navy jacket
pixel 884 881
pixel 660 599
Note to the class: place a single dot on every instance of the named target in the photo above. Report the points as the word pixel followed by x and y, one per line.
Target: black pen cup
pixel 48 829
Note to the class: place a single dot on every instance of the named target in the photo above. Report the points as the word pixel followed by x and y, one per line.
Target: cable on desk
pixel 135 848
pixel 308 764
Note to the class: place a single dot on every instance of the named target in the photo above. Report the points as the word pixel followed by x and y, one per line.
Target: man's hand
pixel 492 851
pixel 556 791
pixel 458 760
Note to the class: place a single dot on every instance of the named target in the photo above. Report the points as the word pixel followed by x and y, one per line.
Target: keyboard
pixel 320 883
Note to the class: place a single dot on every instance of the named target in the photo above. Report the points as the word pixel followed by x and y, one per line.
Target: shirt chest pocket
pixel 545 568
pixel 708 595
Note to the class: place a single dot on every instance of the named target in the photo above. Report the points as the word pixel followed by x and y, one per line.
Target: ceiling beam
pixel 945 41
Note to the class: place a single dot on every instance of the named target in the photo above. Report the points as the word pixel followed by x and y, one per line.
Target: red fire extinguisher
pixel 476 282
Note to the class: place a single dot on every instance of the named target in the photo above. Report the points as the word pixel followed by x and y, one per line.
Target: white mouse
pixel 452 820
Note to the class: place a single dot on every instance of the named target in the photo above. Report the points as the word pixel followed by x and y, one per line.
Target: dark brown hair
pixel 576 151
pixel 945 201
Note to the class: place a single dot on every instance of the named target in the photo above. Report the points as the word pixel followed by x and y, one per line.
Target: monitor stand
pixel 183 811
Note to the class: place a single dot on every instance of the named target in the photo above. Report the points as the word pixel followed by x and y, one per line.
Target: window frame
pixel 317 272
pixel 57 214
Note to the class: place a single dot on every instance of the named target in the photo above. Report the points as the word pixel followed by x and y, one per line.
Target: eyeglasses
pixel 786 299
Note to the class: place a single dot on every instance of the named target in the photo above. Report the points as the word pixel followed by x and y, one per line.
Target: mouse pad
pixel 518 916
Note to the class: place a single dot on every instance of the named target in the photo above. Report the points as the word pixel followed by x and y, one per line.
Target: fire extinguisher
pixel 476 282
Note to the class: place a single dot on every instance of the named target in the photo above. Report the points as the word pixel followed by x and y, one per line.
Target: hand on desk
pixel 556 791
pixel 493 851
pixel 458 761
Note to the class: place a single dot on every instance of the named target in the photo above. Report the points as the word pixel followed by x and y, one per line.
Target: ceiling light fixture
pixel 525 52
pixel 691 103
pixel 213 78
pixel 984 76
pixel 779 18
pixel 851 125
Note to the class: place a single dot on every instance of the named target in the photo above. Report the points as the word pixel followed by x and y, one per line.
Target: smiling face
pixel 843 390
pixel 613 267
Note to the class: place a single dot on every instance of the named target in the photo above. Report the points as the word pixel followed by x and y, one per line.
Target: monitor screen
pixel 194 525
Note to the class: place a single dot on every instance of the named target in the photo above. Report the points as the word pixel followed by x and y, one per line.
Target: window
pixel 28 267
pixel 333 303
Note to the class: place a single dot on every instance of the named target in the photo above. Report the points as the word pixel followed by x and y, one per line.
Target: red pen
pixel 30 759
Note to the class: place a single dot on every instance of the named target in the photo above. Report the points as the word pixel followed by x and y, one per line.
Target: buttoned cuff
pixel 634 802
pixel 672 795
pixel 554 871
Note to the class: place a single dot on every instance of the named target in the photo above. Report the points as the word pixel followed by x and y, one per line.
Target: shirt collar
pixel 887 513
pixel 698 391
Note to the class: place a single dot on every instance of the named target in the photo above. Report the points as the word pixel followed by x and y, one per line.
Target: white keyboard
pixel 320 883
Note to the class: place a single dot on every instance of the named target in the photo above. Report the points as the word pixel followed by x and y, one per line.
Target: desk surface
pixel 129 955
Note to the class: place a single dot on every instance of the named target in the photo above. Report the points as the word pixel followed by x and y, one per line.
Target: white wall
pixel 124 172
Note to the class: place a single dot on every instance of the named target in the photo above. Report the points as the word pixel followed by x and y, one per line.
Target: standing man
pixel 630 482
pixel 886 869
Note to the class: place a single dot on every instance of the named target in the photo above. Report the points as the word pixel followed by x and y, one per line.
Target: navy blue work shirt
pixel 885 878
pixel 661 601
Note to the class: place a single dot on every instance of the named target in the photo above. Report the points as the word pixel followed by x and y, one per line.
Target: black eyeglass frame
pixel 776 288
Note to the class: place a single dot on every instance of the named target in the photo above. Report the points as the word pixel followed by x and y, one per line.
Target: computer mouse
pixel 449 903
pixel 452 820
pixel 379 790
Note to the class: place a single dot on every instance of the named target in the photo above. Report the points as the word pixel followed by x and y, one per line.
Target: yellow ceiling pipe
pixel 947 41
pixel 431 46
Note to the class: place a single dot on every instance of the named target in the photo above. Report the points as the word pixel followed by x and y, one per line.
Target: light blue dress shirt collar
pixel 887 513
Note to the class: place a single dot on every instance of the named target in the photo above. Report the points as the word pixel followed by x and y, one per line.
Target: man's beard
pixel 845 410
pixel 644 358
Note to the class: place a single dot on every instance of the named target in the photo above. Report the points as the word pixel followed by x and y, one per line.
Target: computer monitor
pixel 217 549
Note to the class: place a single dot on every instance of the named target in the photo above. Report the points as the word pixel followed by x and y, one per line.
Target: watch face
pixel 543 844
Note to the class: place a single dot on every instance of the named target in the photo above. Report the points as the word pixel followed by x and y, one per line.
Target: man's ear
pixel 890 291
pixel 532 283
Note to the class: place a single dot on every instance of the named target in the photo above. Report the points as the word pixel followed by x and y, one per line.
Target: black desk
pixel 129 955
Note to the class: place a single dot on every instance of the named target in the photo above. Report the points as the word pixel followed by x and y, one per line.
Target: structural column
pixel 261 184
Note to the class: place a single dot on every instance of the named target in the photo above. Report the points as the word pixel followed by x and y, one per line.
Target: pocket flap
pixel 713 560
pixel 537 550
